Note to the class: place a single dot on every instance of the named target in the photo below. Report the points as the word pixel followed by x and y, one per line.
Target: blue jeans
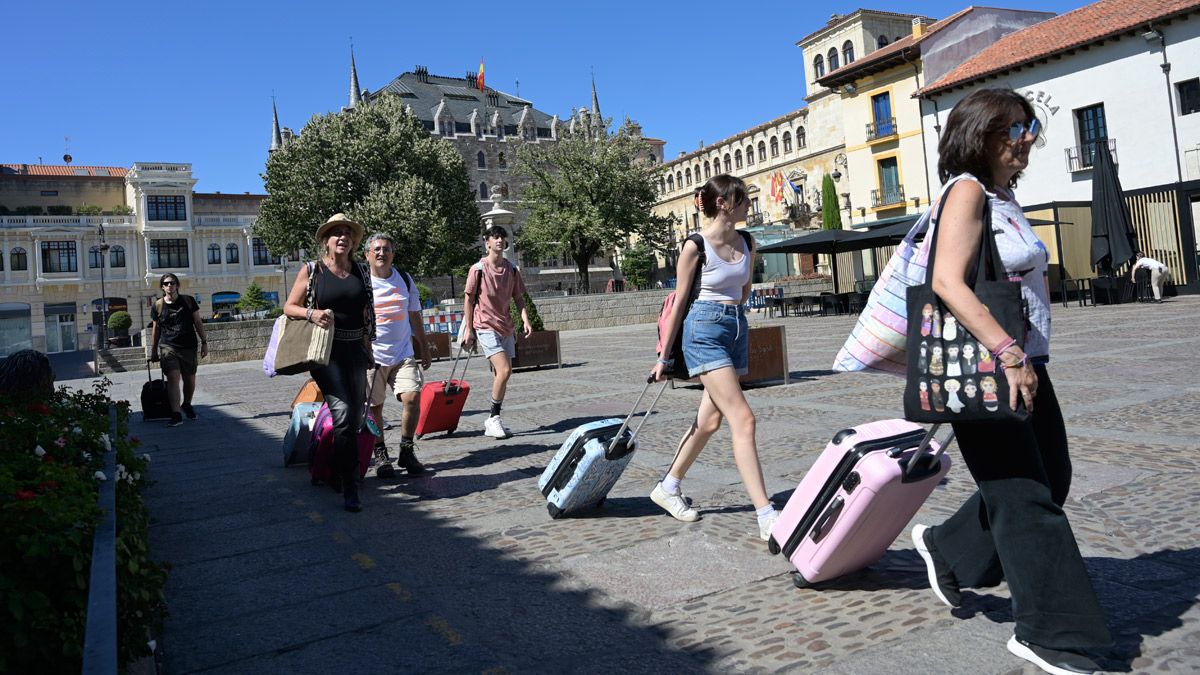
pixel 715 335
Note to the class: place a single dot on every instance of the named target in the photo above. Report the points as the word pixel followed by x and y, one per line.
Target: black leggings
pixel 1013 528
pixel 344 384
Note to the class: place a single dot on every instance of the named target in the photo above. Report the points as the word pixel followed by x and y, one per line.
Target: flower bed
pixel 51 461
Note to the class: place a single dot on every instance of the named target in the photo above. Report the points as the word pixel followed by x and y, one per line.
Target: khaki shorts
pixel 404 377
pixel 181 359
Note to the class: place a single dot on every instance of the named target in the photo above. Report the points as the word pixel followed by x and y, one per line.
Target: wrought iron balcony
pixel 1082 157
pixel 754 220
pixel 798 211
pixel 887 197
pixel 881 129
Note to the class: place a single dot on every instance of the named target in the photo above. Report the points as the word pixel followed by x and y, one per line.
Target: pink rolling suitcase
pixel 861 493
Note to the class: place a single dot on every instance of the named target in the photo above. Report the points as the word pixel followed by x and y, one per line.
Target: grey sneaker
pixel 384 468
pixel 676 505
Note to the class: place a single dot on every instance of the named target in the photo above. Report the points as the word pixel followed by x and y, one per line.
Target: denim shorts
pixel 715 335
pixel 493 343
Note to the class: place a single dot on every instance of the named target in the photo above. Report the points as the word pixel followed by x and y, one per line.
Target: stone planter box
pixel 539 349
pixel 438 345
pixel 768 356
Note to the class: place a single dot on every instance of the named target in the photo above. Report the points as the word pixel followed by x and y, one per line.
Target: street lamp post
pixel 103 290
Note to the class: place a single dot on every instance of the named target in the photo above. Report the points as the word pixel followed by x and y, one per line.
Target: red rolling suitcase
pixel 442 402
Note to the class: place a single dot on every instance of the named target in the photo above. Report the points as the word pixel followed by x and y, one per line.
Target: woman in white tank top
pixel 715 348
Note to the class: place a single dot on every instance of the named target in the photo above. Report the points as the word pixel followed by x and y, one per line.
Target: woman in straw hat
pixel 341 298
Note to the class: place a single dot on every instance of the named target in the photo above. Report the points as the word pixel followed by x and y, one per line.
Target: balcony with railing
pixel 754 220
pixel 887 197
pixel 1082 157
pixel 65 221
pixel 880 129
pixel 225 221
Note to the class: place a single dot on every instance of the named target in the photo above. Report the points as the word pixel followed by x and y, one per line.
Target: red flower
pixel 48 485
pixel 135 441
pixel 40 408
pixel 26 495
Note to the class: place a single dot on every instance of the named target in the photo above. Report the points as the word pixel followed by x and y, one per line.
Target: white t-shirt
pixel 1150 264
pixel 394 299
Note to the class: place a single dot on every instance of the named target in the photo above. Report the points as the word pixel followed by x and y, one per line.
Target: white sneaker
pixel 676 505
pixel 494 427
pixel 766 525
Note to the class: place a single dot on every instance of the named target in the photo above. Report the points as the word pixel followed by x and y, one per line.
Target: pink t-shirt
pixel 501 284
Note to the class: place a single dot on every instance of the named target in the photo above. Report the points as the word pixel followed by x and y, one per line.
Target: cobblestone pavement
pixel 463 570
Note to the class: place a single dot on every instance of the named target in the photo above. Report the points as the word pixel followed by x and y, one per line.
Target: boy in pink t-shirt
pixel 491 284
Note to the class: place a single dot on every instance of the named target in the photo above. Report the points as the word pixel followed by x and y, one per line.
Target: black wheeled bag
pixel 156 405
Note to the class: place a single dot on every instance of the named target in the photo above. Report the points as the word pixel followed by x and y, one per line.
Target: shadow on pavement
pixel 270 575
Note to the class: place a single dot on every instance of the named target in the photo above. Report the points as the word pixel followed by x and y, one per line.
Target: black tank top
pixel 346 297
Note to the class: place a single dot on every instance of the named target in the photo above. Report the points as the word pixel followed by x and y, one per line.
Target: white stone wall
pixel 1126 77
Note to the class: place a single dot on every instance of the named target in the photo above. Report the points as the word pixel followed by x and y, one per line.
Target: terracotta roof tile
pixel 63 170
pixel 1086 25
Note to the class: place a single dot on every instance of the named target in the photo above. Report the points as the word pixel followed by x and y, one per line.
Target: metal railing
pixel 881 128
pixel 754 220
pixel 887 197
pixel 100 635
pixel 1082 157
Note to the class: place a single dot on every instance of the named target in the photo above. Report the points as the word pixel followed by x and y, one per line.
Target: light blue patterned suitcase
pixel 295 442
pixel 590 461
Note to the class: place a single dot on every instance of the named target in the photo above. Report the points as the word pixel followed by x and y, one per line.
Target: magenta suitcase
pixel 857 498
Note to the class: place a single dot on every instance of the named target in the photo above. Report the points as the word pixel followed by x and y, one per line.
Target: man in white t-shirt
pixel 1160 274
pixel 398 327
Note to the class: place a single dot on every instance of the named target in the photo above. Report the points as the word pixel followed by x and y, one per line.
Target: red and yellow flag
pixel 481 86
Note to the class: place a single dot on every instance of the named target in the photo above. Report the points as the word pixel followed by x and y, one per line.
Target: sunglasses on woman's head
pixel 1018 129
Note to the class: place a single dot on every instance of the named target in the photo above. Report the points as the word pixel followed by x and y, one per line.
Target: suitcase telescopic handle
pixel 925 442
pixel 633 411
pixel 454 366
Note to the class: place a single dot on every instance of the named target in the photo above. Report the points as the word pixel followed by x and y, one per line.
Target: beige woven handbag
pixel 303 345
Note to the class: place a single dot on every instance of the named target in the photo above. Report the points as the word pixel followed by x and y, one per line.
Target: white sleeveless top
pixel 1026 260
pixel 722 281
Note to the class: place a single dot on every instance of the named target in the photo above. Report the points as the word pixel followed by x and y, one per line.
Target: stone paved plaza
pixel 463 570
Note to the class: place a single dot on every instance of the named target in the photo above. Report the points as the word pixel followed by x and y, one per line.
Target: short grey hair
pixel 378 236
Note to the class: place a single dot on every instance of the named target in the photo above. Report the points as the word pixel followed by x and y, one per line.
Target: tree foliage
pixel 253 299
pixel 831 212
pixel 588 193
pixel 377 164
pixel 637 264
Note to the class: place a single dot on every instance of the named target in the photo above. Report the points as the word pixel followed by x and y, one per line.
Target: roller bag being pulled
pixel 591 460
pixel 320 465
pixel 299 433
pixel 441 403
pixel 857 498
pixel 156 405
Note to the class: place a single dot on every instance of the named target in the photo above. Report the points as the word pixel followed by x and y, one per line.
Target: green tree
pixel 377 164
pixel 119 322
pixel 253 299
pixel 588 193
pixel 637 264
pixel 831 212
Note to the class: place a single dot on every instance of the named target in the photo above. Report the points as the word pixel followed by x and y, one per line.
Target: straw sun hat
pixel 336 219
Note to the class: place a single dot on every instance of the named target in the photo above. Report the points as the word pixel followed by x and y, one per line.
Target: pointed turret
pixel 355 91
pixel 595 101
pixel 276 137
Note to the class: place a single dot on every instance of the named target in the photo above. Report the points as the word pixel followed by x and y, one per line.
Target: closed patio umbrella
pixel 1112 235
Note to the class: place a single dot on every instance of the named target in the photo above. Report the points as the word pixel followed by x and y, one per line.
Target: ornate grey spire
pixel 595 101
pixel 355 92
pixel 276 137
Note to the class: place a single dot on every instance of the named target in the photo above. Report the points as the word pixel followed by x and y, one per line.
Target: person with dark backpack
pixel 706 336
pixel 400 353
pixel 177 332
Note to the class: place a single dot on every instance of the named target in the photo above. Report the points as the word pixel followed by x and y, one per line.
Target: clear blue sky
pixel 139 81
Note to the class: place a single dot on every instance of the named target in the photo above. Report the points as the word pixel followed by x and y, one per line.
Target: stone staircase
pixel 121 359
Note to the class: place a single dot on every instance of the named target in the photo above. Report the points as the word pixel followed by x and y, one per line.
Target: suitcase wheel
pixel 773 546
pixel 799 581
pixel 555 512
